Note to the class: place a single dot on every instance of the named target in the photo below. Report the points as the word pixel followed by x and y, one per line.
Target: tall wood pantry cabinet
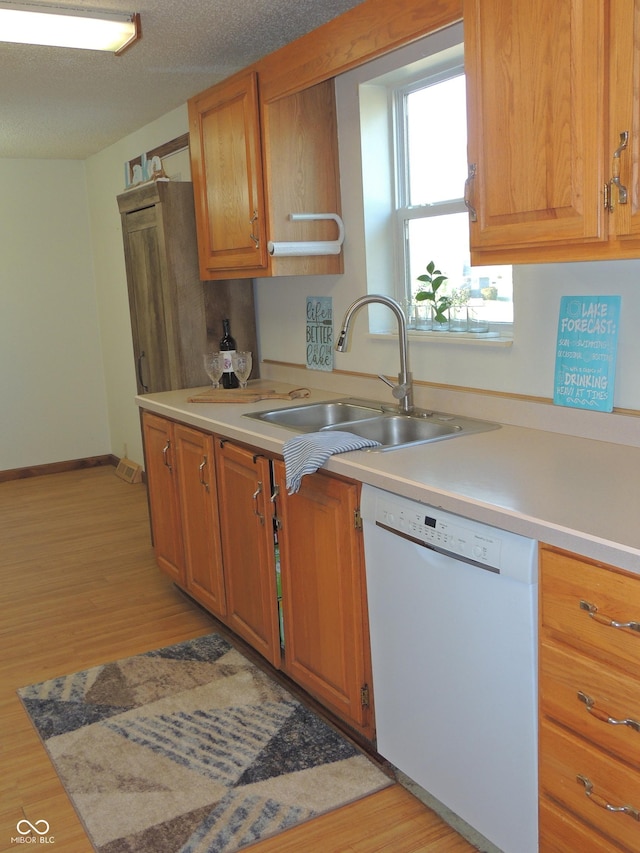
pixel 175 317
pixel 553 130
pixel 166 296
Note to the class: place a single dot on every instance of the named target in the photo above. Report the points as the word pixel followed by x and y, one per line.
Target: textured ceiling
pixel 62 103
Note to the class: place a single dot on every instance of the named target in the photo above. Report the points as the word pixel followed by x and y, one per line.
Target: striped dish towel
pixel 304 454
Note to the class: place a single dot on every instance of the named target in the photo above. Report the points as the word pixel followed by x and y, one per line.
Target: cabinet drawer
pixel 568 681
pixel 560 832
pixel 564 758
pixel 568 586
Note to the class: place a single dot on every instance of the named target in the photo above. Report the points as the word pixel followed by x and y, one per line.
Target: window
pixel 426 116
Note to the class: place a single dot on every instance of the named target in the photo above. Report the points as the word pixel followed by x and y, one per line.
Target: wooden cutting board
pixel 246 395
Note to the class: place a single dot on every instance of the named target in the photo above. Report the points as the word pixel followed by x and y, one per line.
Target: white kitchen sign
pixel 586 352
pixel 319 332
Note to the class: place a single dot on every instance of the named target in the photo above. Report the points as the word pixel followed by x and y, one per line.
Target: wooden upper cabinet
pixel 300 150
pixel 255 163
pixel 226 165
pixel 552 86
pixel 536 114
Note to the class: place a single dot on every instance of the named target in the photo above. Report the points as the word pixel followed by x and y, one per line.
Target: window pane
pixel 437 142
pixel 445 241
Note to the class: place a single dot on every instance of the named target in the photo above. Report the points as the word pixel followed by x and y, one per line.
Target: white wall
pixel 52 388
pixel 67 380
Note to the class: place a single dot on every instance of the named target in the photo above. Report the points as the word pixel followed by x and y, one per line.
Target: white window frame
pixel 403 211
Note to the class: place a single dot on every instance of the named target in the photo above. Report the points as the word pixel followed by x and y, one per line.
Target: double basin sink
pixel 393 430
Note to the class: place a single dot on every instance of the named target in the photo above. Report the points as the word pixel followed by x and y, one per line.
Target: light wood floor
pixel 79 587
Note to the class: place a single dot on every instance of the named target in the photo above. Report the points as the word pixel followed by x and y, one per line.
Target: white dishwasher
pixel 452 609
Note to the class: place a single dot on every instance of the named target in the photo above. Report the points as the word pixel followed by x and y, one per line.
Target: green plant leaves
pixel 434 278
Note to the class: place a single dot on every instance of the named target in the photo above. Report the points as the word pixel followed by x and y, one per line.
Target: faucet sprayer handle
pixel 399 391
pixel 386 381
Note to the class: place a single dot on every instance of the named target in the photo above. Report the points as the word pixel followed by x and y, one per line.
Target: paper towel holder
pixel 310 247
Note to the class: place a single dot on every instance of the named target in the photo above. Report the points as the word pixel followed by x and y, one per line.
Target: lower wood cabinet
pixel 198 499
pixel 589 706
pixel 324 597
pixel 183 502
pixel 166 524
pixel 284 572
pixel 244 483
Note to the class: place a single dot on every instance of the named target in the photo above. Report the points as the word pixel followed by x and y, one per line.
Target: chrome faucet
pixel 403 391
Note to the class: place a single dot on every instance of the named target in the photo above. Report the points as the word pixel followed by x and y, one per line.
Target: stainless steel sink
pixel 311 417
pixel 400 430
pixel 370 420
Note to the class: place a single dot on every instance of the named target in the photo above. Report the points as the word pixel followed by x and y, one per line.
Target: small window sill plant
pixel 431 282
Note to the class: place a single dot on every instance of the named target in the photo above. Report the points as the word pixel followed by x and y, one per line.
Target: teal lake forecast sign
pixel 586 352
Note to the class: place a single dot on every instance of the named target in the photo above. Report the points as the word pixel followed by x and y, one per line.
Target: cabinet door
pixel 226 168
pixel 159 451
pixel 246 523
pixel 200 524
pixel 155 368
pixel 326 631
pixel 536 122
pixel 300 146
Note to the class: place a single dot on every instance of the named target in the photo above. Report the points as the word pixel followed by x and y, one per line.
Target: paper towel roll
pixel 317 247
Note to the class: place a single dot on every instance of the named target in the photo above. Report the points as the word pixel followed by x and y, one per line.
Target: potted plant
pixel 431 282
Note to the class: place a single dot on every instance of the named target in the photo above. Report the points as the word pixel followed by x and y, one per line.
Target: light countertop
pixel 576 493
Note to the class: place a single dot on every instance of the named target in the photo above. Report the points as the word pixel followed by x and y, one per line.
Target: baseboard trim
pixel 58 467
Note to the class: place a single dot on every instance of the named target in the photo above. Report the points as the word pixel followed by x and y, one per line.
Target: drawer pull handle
pixel 257 492
pixel 165 455
pixel 615 169
pixel 592 610
pixel 468 193
pixel 602 803
pixel 603 716
pixel 201 468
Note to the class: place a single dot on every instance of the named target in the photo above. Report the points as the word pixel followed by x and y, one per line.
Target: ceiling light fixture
pixel 63 27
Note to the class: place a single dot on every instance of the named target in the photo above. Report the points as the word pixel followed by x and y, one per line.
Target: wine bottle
pixel 228 346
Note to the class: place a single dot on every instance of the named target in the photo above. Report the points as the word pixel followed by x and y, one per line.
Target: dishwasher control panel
pixel 497 550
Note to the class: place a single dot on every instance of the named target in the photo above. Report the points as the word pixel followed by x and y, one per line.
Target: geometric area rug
pixel 191 749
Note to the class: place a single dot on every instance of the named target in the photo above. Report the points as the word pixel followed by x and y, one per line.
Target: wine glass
pixel 241 363
pixel 214 365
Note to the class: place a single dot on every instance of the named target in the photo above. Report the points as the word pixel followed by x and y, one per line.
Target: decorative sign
pixel 319 333
pixel 586 352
